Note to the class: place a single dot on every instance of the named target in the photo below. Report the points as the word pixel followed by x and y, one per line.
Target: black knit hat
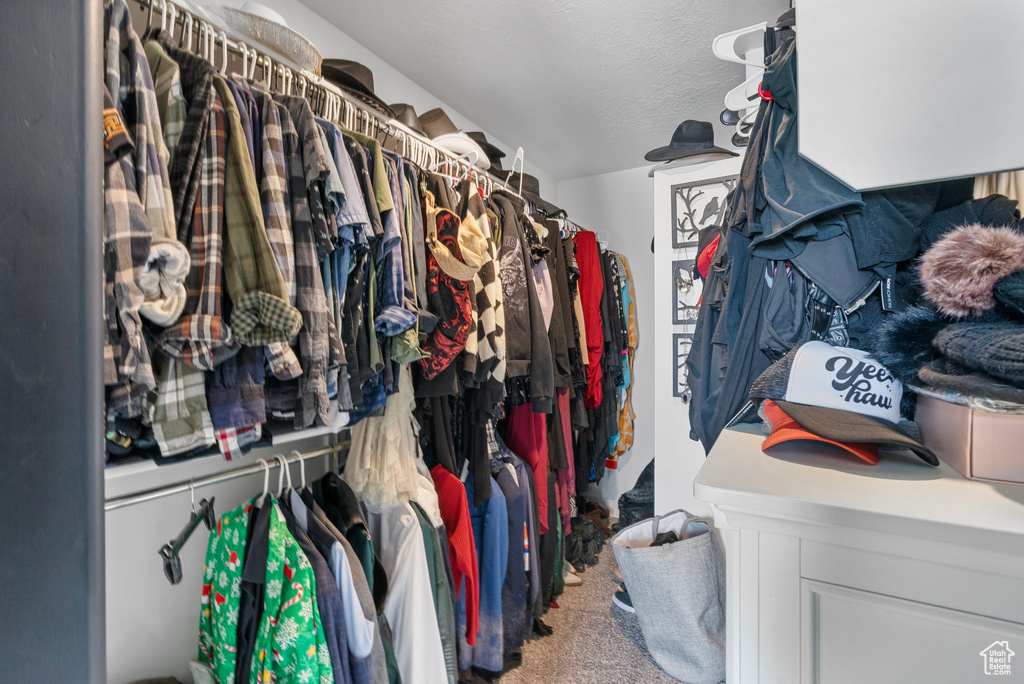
pixel 996 349
pixel 1009 291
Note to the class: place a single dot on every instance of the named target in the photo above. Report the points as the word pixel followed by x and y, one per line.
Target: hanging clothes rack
pixel 326 99
pixel 192 484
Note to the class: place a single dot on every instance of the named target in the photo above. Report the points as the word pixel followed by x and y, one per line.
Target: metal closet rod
pixel 226 476
pixel 265 62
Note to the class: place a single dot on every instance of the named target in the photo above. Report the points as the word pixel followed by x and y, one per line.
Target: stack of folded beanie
pixel 993 348
pixel 967 335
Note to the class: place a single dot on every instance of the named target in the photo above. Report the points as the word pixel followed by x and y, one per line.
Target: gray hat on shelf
pixel 996 349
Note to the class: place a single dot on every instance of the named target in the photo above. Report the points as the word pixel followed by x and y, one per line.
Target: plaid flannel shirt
pixel 393 318
pixel 237 442
pixel 273 192
pixel 130 82
pixel 275 201
pixel 261 313
pixel 170 100
pixel 186 166
pixel 126 361
pixel 202 339
pixel 316 168
pixel 313 403
pixel 177 409
pixel 334 199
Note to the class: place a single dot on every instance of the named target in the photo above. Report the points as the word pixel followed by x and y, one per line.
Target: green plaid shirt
pixel 169 97
pixel 262 313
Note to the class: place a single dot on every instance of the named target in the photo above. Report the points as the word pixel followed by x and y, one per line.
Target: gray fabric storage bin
pixel 678 591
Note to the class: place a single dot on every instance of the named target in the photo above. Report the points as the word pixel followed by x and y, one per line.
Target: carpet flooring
pixel 594 641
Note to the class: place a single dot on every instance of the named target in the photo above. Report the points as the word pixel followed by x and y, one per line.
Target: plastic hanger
pixel 746 123
pixel 281 477
pixel 203 44
pixel 149 21
pixel 469 159
pixel 732 46
pixel 163 17
pixel 223 53
pixel 170 551
pixel 244 49
pixel 521 158
pixel 266 483
pixel 302 468
pixel 745 95
pixel 186 39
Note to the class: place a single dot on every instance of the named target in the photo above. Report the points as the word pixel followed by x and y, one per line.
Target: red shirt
pixel 451 496
pixel 527 436
pixel 591 286
pixel 707 256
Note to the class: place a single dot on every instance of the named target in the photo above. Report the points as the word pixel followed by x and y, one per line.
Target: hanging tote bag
pixel 678 591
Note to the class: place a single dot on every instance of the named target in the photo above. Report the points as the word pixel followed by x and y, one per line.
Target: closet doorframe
pixel 51 332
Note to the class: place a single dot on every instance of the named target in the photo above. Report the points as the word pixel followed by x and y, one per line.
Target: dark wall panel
pixel 51 478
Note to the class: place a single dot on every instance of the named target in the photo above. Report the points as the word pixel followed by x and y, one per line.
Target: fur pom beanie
pixel 902 341
pixel 959 271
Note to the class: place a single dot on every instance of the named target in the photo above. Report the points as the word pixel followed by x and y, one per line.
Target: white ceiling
pixel 585 86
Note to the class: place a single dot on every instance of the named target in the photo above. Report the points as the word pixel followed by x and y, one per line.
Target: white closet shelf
pixel 279 438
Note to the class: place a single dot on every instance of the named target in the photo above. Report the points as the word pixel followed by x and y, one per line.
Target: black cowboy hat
pixel 691 139
pixel 355 79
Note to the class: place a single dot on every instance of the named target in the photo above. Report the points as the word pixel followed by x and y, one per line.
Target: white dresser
pixel 844 572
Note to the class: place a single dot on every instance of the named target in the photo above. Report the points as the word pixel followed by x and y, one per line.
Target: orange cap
pixel 785 429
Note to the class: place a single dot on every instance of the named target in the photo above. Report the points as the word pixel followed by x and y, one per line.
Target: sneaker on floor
pixel 571 579
pixel 568 569
pixel 622 600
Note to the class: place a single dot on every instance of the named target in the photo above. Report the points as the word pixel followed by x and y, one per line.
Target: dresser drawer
pixel 971 590
pixel 852 636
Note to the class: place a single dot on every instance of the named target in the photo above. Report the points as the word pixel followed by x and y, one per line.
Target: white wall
pixel 679 457
pixel 620 208
pixel 152 626
pixel 390 84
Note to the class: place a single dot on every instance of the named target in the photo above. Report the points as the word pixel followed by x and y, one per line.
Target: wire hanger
pixel 171 550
